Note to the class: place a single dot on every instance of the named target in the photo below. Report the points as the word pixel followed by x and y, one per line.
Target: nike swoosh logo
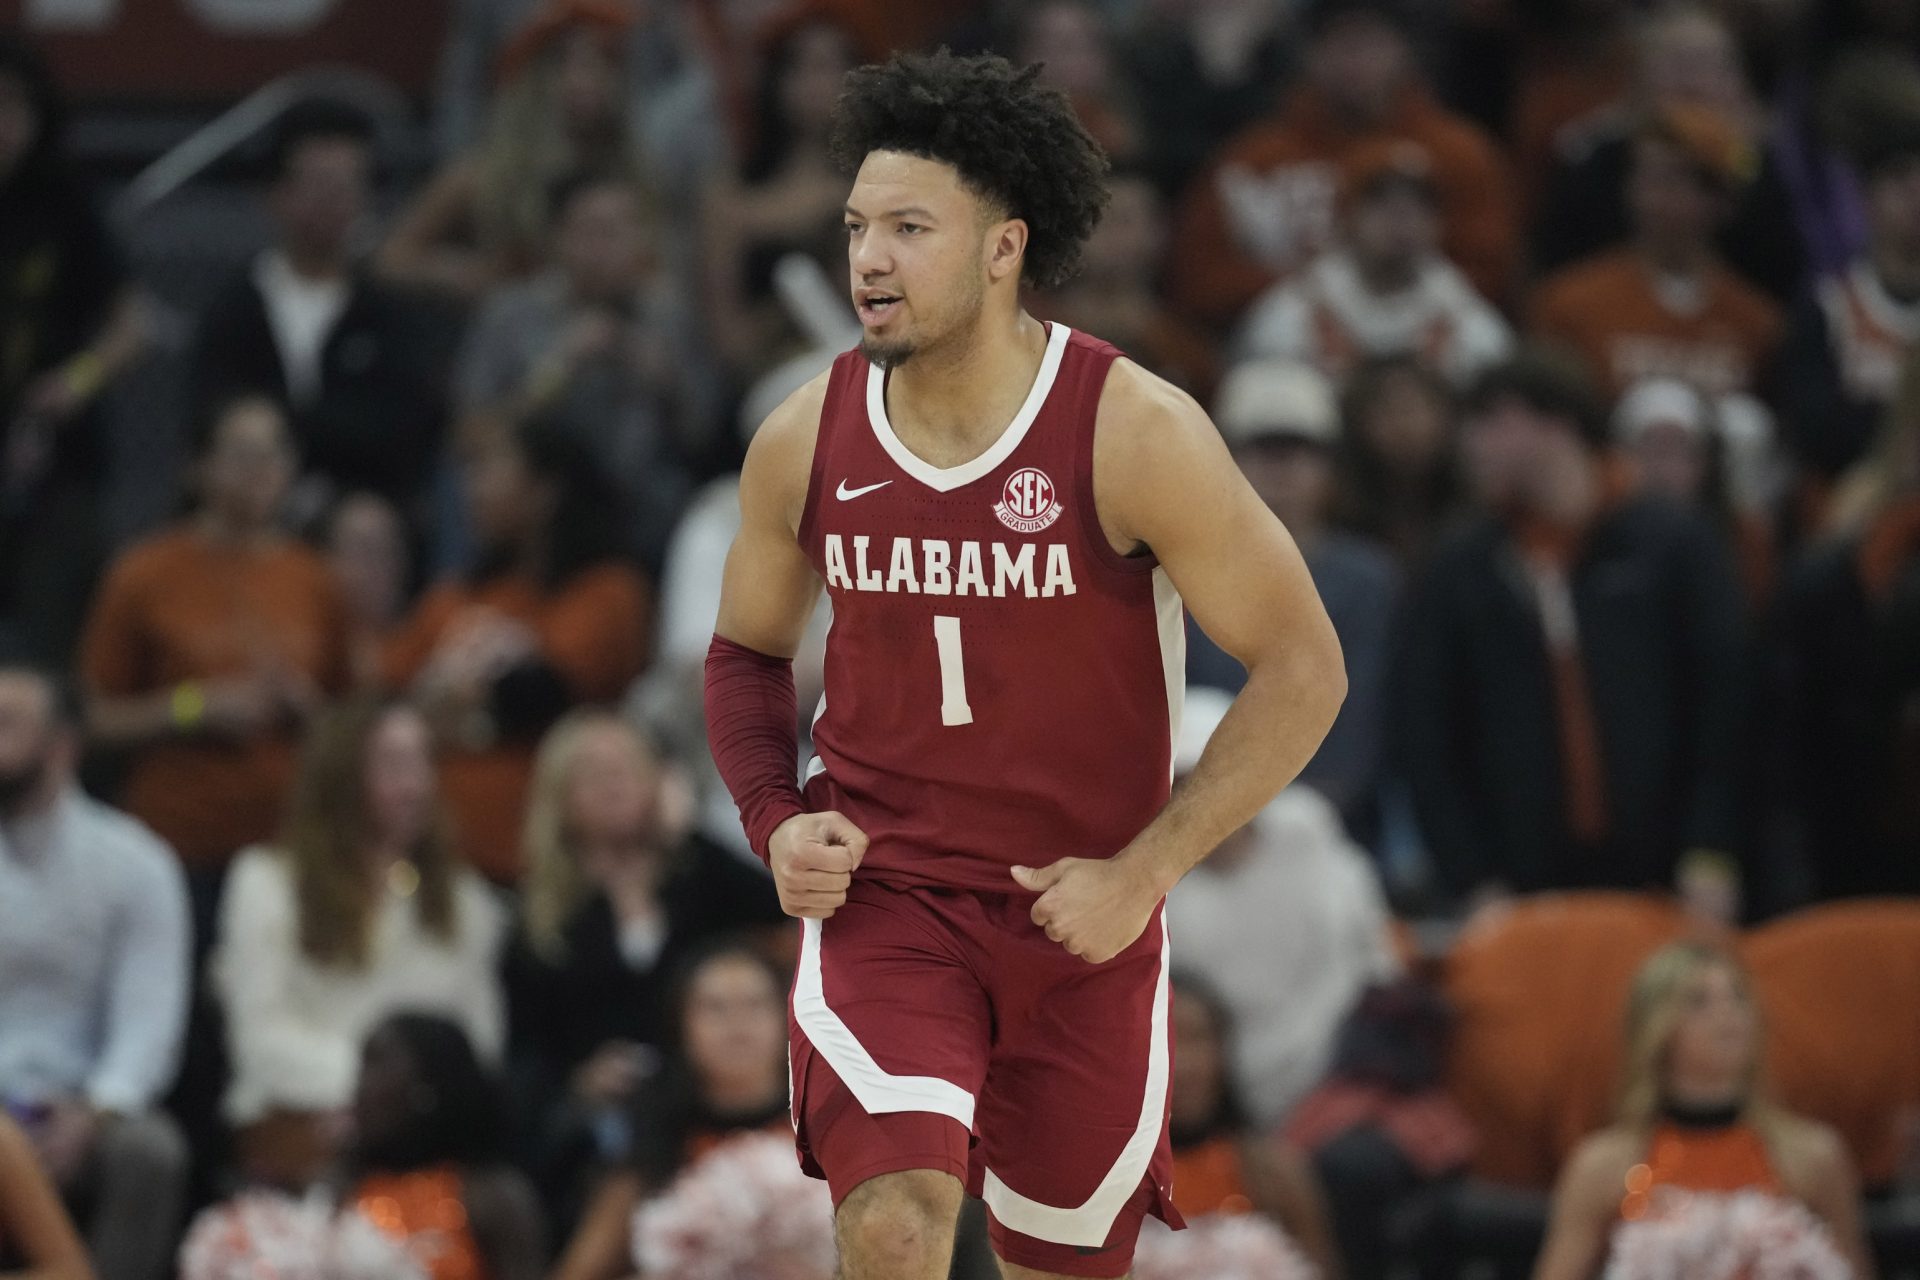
pixel 843 493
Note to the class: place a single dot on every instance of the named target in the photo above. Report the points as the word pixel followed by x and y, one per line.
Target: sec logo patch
pixel 1029 502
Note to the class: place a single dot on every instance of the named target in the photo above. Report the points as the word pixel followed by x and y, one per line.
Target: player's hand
pixel 814 856
pixel 1095 908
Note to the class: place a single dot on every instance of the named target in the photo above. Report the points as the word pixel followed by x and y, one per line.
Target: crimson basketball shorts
pixel 942 1029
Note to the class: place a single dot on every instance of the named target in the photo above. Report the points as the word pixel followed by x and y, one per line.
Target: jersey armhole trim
pixel 1093 385
pixel 822 440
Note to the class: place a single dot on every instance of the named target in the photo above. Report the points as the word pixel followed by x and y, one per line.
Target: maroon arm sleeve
pixel 752 728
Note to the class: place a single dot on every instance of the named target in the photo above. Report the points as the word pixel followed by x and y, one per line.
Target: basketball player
pixel 1006 516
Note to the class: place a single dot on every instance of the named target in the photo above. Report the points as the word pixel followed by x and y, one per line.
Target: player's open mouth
pixel 876 307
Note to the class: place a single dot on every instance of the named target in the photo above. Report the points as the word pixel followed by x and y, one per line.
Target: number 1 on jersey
pixel 953 673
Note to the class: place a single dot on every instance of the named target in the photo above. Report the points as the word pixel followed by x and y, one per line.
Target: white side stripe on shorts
pixel 877 1091
pixel 1087 1225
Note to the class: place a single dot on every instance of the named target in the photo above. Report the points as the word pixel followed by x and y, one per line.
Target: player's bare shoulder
pixel 1152 445
pixel 773 479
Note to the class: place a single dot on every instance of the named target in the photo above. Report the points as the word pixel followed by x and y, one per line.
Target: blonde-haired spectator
pixel 1697 1146
pixel 615 894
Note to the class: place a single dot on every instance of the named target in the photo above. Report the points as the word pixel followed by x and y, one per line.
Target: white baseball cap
pixel 1260 399
pixel 1659 402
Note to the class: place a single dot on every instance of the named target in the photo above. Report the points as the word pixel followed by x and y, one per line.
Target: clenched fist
pixel 814 856
pixel 1094 907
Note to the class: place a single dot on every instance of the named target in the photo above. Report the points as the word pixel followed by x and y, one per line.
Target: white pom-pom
pixel 1220 1247
pixel 744 1211
pixel 263 1234
pixel 1748 1235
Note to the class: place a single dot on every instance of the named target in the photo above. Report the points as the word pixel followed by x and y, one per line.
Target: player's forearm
pixel 1265 740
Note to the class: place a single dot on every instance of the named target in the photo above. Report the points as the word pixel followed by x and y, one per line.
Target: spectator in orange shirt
pixel 1666 305
pixel 1267 204
pixel 365 542
pixel 551 619
pixel 210 645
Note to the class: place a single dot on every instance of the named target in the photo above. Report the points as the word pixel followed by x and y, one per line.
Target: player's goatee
pixel 888 355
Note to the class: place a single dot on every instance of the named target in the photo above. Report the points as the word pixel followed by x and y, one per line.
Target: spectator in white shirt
pixel 1386 289
pixel 1286 921
pixel 94 958
pixel 361 910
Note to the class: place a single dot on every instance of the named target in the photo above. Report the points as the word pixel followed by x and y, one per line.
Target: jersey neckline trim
pixel 947 479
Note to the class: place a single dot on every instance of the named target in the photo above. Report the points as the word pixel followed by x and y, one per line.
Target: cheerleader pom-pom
pixel 1748 1235
pixel 266 1235
pixel 744 1211
pixel 1220 1247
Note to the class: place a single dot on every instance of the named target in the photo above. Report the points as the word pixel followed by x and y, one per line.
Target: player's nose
pixel 871 258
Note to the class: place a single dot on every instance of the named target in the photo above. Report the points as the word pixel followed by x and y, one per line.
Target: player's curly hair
pixel 1014 142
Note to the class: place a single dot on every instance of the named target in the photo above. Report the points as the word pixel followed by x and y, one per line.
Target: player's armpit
pixel 769 587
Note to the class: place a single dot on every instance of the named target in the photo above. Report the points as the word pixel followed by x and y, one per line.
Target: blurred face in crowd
pixel 35 751
pixel 589 81
pixel 1294 476
pixel 1671 459
pixel 1392 231
pixel 19 123
pixel 736 1029
pixel 817 63
pixel 1893 205
pixel 1501 443
pixel 612 798
pixel 1070 39
pixel 400 781
pixel 367 549
pixel 1673 207
pixel 1359 64
pixel 248 464
pixel 920 248
pixel 1126 245
pixel 601 242
pixel 1406 425
pixel 1199 1061
pixel 321 197
pixel 386 1095
pixel 510 504
pixel 1690 58
pixel 1715 1036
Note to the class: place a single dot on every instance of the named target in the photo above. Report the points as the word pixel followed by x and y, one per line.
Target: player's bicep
pixel 768 590
pixel 1173 485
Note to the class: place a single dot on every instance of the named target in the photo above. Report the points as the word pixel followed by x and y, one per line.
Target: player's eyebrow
pixel 911 211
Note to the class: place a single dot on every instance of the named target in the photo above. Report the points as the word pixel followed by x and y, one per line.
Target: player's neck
pixel 952 401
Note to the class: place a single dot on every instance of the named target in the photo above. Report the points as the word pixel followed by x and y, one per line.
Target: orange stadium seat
pixel 1840 989
pixel 1539 998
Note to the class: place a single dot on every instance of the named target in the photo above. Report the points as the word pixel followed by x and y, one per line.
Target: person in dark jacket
pixel 1845 675
pixel 1846 339
pixel 71 322
pixel 1573 691
pixel 353 363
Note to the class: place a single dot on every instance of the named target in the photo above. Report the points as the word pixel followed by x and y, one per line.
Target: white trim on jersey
pixel 1086 1225
pixel 1170 613
pixel 878 1091
pixel 947 479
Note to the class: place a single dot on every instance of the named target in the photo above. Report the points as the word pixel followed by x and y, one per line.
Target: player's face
pixel 920 254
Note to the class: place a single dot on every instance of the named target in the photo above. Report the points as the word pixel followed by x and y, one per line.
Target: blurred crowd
pixel 357 832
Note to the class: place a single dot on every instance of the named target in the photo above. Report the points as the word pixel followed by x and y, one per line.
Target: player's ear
pixel 1006 248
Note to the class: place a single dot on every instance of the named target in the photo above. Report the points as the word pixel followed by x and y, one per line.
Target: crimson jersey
pixel 1001 684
